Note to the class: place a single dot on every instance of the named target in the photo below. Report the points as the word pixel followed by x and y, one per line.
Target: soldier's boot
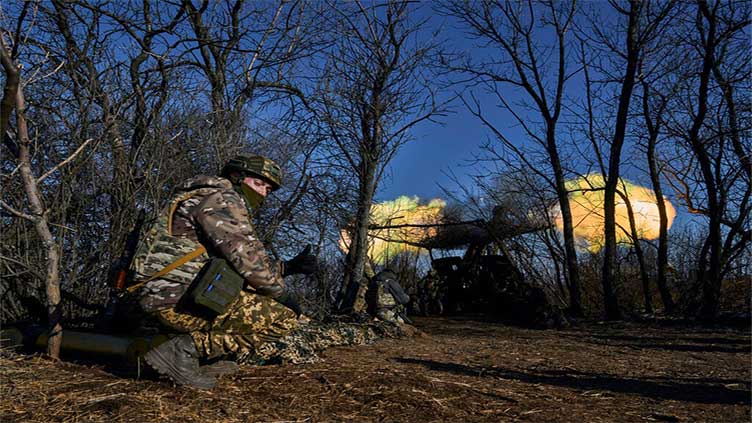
pixel 219 368
pixel 178 360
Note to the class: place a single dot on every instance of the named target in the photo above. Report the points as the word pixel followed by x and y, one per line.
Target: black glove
pixel 305 263
pixel 288 300
pixel 270 290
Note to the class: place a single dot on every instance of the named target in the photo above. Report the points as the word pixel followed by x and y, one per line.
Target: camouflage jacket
pixel 208 212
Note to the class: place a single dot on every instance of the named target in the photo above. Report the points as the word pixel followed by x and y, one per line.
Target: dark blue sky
pixel 448 147
pixel 422 165
pixel 438 151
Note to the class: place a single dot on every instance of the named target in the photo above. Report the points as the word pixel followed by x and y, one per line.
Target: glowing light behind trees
pixel 586 201
pixel 388 242
pixel 393 233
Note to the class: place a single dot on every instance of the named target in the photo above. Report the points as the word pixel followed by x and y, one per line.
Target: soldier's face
pixel 259 185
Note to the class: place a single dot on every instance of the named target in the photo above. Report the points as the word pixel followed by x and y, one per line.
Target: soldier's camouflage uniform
pixel 209 212
pixel 304 343
pixel 382 304
pixel 431 293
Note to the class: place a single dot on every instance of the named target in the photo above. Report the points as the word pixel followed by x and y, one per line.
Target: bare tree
pixel 540 70
pixel 375 91
pixel 609 260
pixel 250 53
pixel 705 120
pixel 644 23
pixel 638 25
pixel 80 50
pixel 654 119
pixel 20 143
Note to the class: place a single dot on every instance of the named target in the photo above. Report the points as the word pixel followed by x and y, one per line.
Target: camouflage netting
pixel 304 343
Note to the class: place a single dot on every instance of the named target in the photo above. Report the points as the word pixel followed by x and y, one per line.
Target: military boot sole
pixel 161 362
pixel 219 368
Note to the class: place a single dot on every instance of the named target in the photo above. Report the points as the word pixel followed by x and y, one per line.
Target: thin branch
pixel 64 162
pixel 20 214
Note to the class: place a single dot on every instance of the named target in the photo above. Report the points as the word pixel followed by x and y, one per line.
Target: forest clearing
pixel 455 369
pixel 186 183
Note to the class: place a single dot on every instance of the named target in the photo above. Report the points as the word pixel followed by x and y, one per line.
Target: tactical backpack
pixel 214 288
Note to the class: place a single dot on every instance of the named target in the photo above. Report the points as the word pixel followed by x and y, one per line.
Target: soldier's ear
pixel 235 177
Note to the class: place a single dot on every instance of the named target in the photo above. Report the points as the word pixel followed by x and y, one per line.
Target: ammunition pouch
pixel 216 287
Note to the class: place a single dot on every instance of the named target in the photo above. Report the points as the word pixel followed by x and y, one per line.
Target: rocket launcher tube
pixel 128 347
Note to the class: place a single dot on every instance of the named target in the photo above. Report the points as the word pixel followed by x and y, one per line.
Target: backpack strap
pixel 170 267
pixel 181 260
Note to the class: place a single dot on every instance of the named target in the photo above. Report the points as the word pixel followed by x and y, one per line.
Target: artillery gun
pixel 484 279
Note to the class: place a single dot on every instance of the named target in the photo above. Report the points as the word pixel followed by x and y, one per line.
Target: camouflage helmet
pixel 257 166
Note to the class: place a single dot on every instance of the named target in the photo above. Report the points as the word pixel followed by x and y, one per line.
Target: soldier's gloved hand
pixel 274 291
pixel 304 263
pixel 288 300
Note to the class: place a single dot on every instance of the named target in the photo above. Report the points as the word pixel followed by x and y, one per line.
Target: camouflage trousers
pixel 250 321
pixel 390 315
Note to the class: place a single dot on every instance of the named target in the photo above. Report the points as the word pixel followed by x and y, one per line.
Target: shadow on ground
pixel 706 391
pixel 669 343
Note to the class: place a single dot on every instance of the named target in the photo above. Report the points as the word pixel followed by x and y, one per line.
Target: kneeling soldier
pixel 202 273
pixel 386 298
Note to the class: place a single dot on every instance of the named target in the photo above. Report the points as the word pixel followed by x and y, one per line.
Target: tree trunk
pixel 13 97
pixel 647 298
pixel 358 254
pixel 122 199
pixel 662 259
pixel 570 252
pixel 709 270
pixel 609 252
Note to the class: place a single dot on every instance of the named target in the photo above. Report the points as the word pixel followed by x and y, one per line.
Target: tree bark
pixel 38 214
pixel 610 249
pixel 709 266
pixel 653 128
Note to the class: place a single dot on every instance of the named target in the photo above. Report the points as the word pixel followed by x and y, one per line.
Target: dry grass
pixel 457 370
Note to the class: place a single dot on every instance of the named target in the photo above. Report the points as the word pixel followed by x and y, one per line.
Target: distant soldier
pixel 386 298
pixel 432 293
pixel 205 275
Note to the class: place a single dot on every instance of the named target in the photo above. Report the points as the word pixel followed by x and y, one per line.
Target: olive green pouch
pixel 216 286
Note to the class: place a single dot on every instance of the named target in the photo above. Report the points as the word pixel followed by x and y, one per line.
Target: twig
pixel 13 172
pixel 104 398
pixel 17 212
pixel 64 162
pixel 26 265
pixel 467 385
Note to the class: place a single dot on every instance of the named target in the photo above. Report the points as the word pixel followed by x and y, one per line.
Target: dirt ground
pixel 455 370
